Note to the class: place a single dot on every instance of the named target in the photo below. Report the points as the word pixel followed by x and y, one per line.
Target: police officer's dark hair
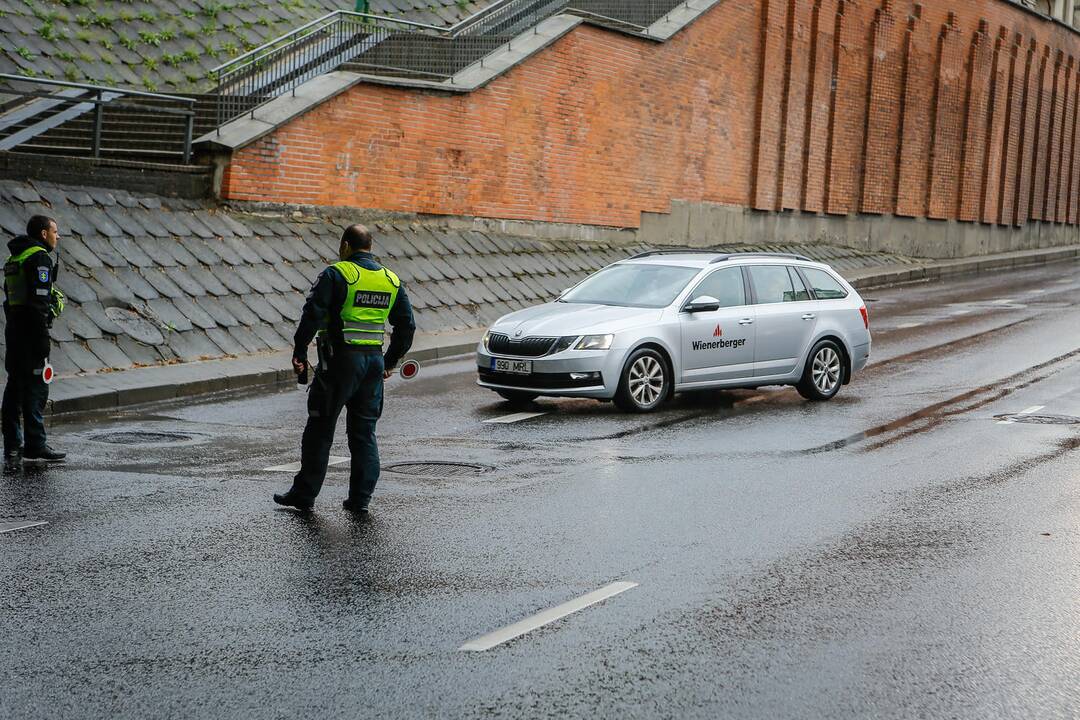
pixel 36 225
pixel 357 237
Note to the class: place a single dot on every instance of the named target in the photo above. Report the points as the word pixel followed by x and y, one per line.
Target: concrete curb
pixel 898 275
pixel 126 388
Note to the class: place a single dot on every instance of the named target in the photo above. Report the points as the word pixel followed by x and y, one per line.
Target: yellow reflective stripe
pixel 353 325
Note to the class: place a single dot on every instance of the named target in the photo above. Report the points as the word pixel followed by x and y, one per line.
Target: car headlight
pixel 487 336
pixel 595 342
pixel 563 343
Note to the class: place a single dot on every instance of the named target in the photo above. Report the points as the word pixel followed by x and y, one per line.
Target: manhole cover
pixel 1040 419
pixel 138 437
pixel 435 468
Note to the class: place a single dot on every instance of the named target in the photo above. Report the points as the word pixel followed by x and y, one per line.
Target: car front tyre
pixel 824 372
pixel 645 382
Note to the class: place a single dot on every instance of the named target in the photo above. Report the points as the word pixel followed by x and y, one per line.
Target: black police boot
pixel 12 456
pixel 44 454
pixel 290 500
pixel 360 507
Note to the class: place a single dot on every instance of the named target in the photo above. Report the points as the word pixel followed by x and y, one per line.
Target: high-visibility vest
pixel 368 299
pixel 14 279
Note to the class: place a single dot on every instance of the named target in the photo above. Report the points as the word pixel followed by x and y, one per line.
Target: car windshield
pixel 632 285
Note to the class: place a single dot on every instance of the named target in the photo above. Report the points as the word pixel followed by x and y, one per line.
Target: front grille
pixel 500 344
pixel 537 381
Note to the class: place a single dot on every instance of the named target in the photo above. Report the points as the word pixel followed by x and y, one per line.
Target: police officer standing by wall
pixel 30 304
pixel 348 308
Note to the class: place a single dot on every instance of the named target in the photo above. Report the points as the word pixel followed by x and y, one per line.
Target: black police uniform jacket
pixel 323 309
pixel 27 330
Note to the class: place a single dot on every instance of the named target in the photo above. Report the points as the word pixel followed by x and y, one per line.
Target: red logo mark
pixel 717 332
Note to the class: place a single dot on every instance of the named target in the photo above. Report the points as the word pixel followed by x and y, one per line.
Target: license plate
pixel 517 367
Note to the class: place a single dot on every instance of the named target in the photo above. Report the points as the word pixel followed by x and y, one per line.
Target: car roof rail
pixel 672 251
pixel 729 256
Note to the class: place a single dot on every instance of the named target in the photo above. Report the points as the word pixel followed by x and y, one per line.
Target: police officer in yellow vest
pixel 348 308
pixel 30 304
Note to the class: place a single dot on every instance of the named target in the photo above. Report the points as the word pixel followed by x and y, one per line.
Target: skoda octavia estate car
pixel 663 322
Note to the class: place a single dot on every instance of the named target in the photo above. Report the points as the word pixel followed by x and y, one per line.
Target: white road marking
pixel 486 642
pixel 1027 411
pixel 13 526
pixel 1038 291
pixel 295 467
pixel 904 326
pixel 515 417
pixel 1004 301
pixel 959 312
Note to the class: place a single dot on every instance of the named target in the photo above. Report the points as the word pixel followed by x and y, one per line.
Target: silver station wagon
pixel 663 322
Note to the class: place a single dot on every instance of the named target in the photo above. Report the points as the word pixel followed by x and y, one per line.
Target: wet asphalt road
pixel 897 552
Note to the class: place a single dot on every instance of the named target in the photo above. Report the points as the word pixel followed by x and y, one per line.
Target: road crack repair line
pixel 934 415
pixel 6 527
pixel 539 620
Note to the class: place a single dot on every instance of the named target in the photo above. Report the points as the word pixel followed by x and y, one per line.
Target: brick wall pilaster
pixel 993 159
pixel 977 106
pixel 886 111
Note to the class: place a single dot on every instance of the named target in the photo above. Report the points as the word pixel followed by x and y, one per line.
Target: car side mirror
pixel 702 303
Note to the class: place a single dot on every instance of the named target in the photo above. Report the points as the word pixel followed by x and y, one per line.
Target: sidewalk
pixel 112 390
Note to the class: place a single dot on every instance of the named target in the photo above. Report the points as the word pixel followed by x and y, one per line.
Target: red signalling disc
pixel 410 369
pixel 47 373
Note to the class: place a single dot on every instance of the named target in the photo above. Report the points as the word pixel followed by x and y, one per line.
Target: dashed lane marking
pixel 295 467
pixel 959 312
pixel 13 526
pixel 515 417
pixel 486 642
pixel 905 326
pixel 1027 411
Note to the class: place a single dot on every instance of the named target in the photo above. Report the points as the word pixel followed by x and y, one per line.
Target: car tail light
pixel 865 317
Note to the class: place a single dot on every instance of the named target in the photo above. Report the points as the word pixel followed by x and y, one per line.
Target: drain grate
pixel 1040 419
pixel 438 469
pixel 139 437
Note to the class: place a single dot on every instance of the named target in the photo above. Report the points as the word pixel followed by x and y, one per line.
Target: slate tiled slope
pixel 152 280
pixel 167 45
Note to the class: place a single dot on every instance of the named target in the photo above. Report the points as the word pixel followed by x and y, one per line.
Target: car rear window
pixel 825 286
pixel 632 285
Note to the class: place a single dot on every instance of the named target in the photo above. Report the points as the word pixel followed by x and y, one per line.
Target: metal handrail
pixel 301 31
pixel 99 102
pixel 83 86
pixel 388 46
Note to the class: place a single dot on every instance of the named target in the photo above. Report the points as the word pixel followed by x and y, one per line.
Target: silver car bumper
pixel 554 375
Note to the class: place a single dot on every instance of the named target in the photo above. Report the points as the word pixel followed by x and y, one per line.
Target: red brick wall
pixel 953 110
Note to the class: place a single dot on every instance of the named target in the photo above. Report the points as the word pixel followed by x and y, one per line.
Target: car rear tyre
pixel 824 373
pixel 645 382
pixel 517 397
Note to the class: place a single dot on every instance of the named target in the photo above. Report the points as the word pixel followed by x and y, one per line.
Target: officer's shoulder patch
pixel 43 274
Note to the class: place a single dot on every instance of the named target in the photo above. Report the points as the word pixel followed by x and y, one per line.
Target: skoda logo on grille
pixel 517 334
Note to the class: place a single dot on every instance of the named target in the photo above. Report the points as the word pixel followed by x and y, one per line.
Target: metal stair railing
pixel 49 111
pixel 401 48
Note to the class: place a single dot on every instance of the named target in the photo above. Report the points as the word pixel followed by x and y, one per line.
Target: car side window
pixel 725 285
pixel 801 293
pixel 826 287
pixel 772 284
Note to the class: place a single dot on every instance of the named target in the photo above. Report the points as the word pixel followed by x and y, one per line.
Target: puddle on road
pixel 934 415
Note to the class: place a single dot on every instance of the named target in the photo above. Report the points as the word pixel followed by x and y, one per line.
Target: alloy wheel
pixel 826 370
pixel 646 380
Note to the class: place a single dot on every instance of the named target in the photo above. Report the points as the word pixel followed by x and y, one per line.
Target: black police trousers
pixel 25 396
pixel 354 382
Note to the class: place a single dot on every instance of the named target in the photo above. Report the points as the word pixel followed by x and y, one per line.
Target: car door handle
pixel 809 316
pixel 746 321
